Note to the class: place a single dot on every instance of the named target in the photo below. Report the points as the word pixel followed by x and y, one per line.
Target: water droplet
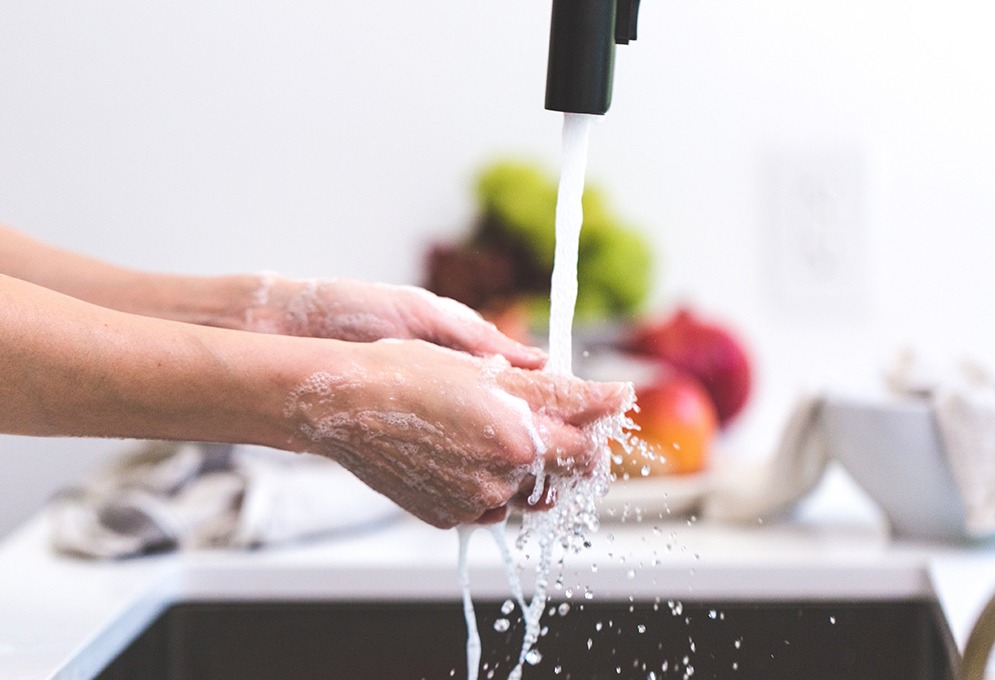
pixel 598 626
pixel 631 574
pixel 507 607
pixel 641 628
pixel 832 620
pixel 557 669
pixel 590 643
pixel 738 643
pixel 502 625
pixel 645 471
pixel 533 656
pixel 712 614
pixel 563 609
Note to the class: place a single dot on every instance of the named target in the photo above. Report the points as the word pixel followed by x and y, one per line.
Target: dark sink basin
pixel 899 640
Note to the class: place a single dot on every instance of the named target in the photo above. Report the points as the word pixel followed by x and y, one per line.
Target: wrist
pixel 220 301
pixel 328 393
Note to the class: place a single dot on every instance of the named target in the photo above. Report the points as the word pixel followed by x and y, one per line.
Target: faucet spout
pixel 582 39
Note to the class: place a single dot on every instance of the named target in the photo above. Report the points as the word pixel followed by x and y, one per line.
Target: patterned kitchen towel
pixel 962 398
pixel 170 495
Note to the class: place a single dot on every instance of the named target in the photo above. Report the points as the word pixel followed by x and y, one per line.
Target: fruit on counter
pixel 677 424
pixel 508 256
pixel 706 350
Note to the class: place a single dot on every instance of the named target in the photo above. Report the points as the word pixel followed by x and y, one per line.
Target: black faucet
pixel 582 38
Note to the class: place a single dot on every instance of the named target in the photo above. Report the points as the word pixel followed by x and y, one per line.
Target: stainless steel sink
pixel 804 640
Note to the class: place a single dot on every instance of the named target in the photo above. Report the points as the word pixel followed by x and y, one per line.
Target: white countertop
pixel 66 618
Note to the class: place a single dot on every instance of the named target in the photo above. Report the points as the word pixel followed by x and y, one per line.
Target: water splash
pixel 564 527
pixel 473 647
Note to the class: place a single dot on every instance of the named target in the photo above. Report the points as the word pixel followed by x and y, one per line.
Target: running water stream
pixel 569 218
pixel 575 513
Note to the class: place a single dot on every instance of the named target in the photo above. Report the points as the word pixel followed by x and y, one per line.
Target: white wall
pixel 302 136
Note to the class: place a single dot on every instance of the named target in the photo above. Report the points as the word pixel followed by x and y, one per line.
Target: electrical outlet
pixel 814 242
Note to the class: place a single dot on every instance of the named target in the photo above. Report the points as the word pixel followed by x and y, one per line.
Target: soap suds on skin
pixel 418 461
pixel 341 309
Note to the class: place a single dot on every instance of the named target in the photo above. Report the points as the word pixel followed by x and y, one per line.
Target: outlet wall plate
pixel 813 231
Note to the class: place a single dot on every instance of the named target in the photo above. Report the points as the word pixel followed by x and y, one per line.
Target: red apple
pixel 706 350
pixel 677 424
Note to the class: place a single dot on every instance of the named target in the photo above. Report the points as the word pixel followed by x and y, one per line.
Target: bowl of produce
pixel 502 266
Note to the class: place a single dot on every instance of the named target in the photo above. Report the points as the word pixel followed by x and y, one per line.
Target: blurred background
pixel 818 176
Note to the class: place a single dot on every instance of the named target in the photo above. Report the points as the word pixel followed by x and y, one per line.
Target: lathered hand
pixel 358 311
pixel 450 437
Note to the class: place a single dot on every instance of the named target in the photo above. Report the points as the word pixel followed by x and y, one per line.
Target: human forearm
pixel 329 308
pixel 208 300
pixel 72 368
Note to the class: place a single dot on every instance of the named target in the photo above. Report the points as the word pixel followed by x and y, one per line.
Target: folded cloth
pixel 186 495
pixel 966 422
pixel 962 399
pixel 746 493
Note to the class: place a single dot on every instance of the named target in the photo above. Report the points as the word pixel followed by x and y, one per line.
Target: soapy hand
pixel 451 437
pixel 359 311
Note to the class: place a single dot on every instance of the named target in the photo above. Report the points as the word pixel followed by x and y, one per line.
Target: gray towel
pixel 185 495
